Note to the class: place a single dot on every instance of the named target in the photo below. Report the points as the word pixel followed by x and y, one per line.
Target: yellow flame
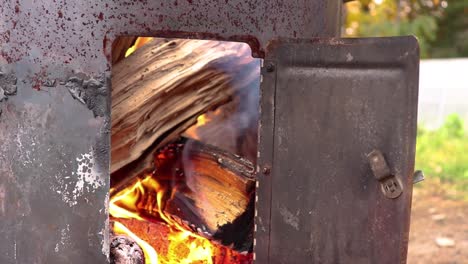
pixel 192 131
pixel 185 247
pixel 202 120
pixel 138 43
pixel 150 254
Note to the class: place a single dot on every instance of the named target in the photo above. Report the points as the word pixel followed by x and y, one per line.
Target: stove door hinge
pixel 267 67
pixel 391 186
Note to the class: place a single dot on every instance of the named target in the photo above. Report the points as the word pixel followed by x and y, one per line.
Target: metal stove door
pixel 337 146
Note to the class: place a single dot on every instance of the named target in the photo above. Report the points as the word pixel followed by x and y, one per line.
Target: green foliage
pixel 452 36
pixel 441 26
pixel 443 153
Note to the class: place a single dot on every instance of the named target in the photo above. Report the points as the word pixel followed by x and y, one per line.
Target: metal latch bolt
pixel 391 187
pixel 418 176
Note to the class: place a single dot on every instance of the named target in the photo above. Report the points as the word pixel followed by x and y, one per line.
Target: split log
pixel 206 189
pixel 159 90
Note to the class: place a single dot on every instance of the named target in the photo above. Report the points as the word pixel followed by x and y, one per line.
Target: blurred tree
pixel 452 36
pixel 441 26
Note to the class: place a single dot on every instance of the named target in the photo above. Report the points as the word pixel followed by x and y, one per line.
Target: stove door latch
pixel 391 186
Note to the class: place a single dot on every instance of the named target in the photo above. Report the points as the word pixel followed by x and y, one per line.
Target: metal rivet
pixel 270 67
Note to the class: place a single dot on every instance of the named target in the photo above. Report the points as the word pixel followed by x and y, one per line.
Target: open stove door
pixel 337 147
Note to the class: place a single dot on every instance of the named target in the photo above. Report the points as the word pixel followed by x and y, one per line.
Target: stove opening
pixel 183 151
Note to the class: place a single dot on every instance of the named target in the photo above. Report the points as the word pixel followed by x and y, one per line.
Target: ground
pixel 439 213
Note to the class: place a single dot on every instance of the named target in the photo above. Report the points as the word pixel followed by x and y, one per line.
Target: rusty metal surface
pixel 334 102
pixel 54 130
pixel 265 158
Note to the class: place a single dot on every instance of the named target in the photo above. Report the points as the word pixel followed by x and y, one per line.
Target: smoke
pixel 232 127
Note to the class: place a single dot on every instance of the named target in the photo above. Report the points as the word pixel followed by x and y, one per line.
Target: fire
pixel 144 200
pixel 185 247
pixel 202 120
pixel 138 43
pixel 150 254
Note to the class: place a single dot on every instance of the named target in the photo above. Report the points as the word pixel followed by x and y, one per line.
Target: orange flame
pixel 193 130
pixel 202 120
pixel 185 247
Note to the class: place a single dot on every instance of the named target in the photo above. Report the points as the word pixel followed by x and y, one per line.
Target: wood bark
pixel 160 90
pixel 206 189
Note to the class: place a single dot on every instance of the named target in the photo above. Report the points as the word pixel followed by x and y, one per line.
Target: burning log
pixel 159 90
pixel 187 194
pixel 216 190
pixel 200 188
pixel 157 236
